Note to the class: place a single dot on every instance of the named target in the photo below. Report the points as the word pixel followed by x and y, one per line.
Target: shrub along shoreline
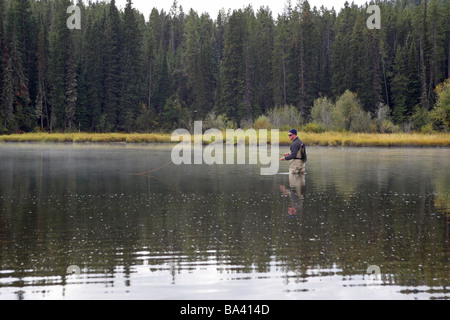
pixel 338 139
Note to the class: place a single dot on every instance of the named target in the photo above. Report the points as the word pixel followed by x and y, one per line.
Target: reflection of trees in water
pixel 351 215
pixel 247 234
pixel 350 169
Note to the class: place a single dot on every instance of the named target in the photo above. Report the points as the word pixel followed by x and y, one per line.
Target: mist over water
pixel 222 231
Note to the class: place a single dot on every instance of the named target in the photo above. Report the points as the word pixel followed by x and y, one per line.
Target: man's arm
pixel 294 151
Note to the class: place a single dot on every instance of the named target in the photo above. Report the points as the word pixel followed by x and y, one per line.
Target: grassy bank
pixel 311 139
pixel 376 139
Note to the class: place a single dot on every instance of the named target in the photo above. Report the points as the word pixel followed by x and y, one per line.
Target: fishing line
pixel 159 168
pixel 154 170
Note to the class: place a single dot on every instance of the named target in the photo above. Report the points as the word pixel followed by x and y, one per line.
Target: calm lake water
pixel 222 231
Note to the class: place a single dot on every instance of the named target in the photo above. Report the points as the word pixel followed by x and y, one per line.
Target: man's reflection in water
pixel 296 187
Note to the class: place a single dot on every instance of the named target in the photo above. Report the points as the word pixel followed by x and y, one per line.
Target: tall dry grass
pixel 312 139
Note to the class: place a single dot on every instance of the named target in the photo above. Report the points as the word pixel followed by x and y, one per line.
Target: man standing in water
pixel 297 165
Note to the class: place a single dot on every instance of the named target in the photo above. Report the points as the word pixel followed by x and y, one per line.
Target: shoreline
pixel 330 139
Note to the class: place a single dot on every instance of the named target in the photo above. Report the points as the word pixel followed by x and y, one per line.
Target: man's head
pixel 292 134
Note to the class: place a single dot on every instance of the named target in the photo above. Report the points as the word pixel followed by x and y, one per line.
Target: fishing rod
pixel 162 167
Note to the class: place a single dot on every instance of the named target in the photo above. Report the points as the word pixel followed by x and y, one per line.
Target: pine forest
pixel 309 67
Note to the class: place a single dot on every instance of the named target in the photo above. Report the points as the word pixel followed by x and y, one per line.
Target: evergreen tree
pixel 447 28
pixel 326 21
pixel 22 108
pixel 207 66
pixel 200 62
pixel 264 33
pixel 111 55
pixel 308 58
pixel 400 86
pixel 374 61
pixel 42 105
pixel 359 81
pixel 151 52
pixel 232 72
pixel 437 36
pixel 292 76
pixel 219 34
pixel 192 56
pixel 163 90
pixel 131 73
pixel 342 77
pixel 23 26
pixel 413 75
pixel 246 110
pixel 2 56
pixel 93 69
pixel 71 90
pixel 7 93
pixel 420 24
pixel 280 61
pixel 82 115
pixel 58 48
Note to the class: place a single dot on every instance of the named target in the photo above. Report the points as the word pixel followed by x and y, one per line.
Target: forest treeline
pixel 308 66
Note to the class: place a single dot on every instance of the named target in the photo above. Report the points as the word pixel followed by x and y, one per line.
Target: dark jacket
pixel 295 150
